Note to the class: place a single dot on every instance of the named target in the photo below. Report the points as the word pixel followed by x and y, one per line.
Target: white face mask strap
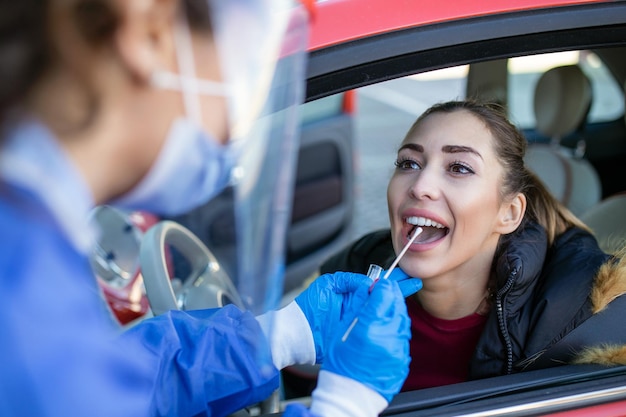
pixel 171 81
pixel 187 68
pixel 186 81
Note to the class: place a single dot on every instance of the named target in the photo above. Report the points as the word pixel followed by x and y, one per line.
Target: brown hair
pixel 25 53
pixel 510 147
pixel 23 49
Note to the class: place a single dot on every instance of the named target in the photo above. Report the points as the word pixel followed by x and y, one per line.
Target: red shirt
pixel 440 349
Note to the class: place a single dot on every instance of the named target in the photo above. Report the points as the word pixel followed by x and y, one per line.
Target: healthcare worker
pixel 157 105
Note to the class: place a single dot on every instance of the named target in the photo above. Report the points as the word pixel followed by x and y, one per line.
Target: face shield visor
pixel 265 85
pixel 261 47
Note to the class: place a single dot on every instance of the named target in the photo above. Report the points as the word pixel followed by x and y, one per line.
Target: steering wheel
pixel 207 285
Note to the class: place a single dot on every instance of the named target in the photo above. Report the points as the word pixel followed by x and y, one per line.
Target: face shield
pixel 261 47
pixel 265 86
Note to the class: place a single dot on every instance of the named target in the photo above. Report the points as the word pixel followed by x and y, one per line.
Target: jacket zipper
pixel 502 323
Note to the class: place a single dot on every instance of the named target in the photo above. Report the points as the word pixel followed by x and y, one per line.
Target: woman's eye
pixel 461 168
pixel 406 164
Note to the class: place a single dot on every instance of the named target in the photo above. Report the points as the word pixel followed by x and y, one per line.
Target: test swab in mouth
pixel 416 233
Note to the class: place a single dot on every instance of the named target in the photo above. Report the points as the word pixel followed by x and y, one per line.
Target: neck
pixel 454 303
pixel 458 293
pixel 104 167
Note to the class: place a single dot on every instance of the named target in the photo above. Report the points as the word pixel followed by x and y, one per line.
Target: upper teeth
pixel 423 221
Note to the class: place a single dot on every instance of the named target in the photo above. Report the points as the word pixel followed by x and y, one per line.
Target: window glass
pixel 524 72
pixel 322 108
pixel 415 93
pixel 608 98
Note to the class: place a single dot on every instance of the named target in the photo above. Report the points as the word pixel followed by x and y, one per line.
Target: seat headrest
pixel 574 182
pixel 562 101
pixel 606 219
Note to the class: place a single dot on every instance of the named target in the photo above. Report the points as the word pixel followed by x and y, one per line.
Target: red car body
pixel 340 21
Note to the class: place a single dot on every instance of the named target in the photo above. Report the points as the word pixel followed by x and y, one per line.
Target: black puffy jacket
pixel 551 305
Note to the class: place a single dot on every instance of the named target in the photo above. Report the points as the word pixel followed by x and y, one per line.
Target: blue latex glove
pixel 376 351
pixel 408 285
pixel 325 302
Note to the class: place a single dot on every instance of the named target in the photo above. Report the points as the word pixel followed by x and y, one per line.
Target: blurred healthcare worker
pixel 158 105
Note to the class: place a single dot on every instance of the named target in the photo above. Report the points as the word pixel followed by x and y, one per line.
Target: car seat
pixel 561 103
pixel 606 219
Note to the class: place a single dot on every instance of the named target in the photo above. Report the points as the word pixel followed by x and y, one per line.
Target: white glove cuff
pixel 289 335
pixel 339 396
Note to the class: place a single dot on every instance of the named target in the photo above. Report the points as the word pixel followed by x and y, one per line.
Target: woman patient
pixel 512 280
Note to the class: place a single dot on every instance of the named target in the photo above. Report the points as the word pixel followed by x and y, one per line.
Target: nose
pixel 425 184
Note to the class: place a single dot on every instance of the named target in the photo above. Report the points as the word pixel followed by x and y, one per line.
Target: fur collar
pixel 609 284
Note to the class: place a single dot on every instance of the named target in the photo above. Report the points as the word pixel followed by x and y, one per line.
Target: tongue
pixel 430 234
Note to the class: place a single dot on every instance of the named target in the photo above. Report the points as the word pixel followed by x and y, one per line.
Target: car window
pixel 524 72
pixel 321 109
pixel 386 111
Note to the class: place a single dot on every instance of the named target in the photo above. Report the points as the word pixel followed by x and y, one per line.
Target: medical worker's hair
pixel 25 52
pixel 510 147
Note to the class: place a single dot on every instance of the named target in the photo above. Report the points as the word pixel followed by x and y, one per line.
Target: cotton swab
pixel 417 232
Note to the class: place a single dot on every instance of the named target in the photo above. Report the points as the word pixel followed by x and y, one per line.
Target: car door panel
pixel 323 201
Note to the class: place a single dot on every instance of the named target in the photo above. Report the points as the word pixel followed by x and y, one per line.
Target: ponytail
pixel 544 209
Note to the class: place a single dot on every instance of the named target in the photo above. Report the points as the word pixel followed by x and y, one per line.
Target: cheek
pixel 475 211
pixel 394 197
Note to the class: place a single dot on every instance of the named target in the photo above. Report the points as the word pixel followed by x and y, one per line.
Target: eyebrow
pixel 412 146
pixel 458 149
pixel 447 149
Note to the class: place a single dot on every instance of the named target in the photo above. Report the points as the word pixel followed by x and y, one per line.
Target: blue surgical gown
pixel 61 351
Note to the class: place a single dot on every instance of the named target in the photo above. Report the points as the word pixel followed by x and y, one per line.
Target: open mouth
pixel 432 230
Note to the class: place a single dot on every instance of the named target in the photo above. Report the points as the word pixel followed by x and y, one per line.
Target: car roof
pixel 374 51
pixel 338 21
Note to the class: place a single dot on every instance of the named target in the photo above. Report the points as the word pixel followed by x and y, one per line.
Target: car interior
pixel 570 163
pixel 572 114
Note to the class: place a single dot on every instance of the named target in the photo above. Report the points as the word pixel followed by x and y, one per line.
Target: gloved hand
pixel 326 301
pixel 319 308
pixel 374 354
pixel 408 285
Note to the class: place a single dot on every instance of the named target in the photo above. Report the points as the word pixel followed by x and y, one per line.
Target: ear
pixel 511 214
pixel 144 40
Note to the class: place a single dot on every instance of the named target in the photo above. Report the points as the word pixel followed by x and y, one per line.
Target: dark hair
pixel 510 148
pixel 25 53
pixel 23 49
